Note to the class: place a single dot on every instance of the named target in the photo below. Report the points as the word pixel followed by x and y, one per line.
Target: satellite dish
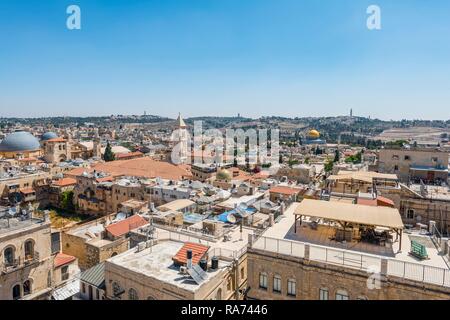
pixel 231 218
pixel 12 211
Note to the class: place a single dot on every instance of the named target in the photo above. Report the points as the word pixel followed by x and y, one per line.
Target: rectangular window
pixel 291 288
pixel 323 294
pixel 277 284
pixel 341 295
pixel 407 158
pixel 65 273
pixel 263 281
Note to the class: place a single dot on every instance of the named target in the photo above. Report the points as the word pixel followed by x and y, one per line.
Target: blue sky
pixel 223 57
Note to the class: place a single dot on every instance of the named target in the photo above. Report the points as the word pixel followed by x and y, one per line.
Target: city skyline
pixel 217 58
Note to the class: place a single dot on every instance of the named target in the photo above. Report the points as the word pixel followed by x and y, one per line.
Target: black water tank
pixel 214 263
pixel 189 254
pixel 204 264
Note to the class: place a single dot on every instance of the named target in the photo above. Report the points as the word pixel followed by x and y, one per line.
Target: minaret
pixel 182 139
pixel 351 112
pixel 97 147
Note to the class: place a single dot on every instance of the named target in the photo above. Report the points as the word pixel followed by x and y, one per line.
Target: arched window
pixel 291 287
pixel 27 287
pixel 8 254
pixel 263 280
pixel 341 295
pixel 132 294
pixel 29 250
pixel 117 289
pixel 277 283
pixel 114 254
pixel 16 292
pixel 151 298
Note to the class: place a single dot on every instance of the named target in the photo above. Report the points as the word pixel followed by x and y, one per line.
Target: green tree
pixel 329 166
pixel 109 155
pixel 67 200
pixel 336 156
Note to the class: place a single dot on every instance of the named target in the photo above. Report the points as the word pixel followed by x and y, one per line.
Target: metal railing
pixel 402 269
pixel 19 263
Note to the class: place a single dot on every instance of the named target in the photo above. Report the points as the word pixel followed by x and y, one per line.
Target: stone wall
pixel 311 276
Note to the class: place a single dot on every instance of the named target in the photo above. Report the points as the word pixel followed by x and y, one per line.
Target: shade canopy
pixel 351 213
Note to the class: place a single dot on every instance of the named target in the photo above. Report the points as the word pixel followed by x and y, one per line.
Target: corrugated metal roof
pixel 69 289
pixel 95 276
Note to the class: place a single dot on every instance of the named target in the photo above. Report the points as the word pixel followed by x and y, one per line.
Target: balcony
pixel 19 263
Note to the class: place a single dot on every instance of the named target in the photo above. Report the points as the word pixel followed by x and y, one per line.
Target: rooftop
pixel 156 262
pixel 17 222
pixel 282 238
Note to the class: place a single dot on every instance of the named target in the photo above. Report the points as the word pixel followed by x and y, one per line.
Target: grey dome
pixel 49 135
pixel 20 141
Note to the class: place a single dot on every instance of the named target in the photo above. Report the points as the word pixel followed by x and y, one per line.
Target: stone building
pixel 153 271
pixel 96 241
pixel 29 268
pixel 297 259
pixel 429 165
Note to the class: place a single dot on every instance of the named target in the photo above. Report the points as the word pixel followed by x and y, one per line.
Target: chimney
pixel 271 219
pixel 189 259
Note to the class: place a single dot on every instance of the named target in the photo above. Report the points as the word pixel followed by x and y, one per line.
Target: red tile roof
pixel 57 140
pixel 64 182
pixel 198 252
pixel 62 259
pixel 379 201
pixel 128 155
pixel 27 190
pixel 123 227
pixel 284 190
pixel 383 201
pixel 30 159
pixel 144 167
pixel 367 202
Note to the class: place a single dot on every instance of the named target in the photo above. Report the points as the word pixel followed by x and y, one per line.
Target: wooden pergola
pixel 347 214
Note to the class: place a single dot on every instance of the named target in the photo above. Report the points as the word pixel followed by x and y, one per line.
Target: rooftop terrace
pixel 282 239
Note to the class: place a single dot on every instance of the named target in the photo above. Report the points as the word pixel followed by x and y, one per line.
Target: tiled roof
pixel 383 201
pixel 62 259
pixel 198 252
pixel 379 201
pixel 128 155
pixel 57 140
pixel 27 190
pixel 143 167
pixel 284 190
pixel 123 227
pixel 65 182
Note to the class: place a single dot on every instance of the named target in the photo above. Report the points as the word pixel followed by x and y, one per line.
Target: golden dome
pixel 313 134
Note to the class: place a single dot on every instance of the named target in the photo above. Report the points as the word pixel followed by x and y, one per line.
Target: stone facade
pixel 33 264
pixel 400 161
pixel 221 287
pixel 311 276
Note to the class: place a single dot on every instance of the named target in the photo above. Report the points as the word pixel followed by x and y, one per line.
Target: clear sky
pixel 223 57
